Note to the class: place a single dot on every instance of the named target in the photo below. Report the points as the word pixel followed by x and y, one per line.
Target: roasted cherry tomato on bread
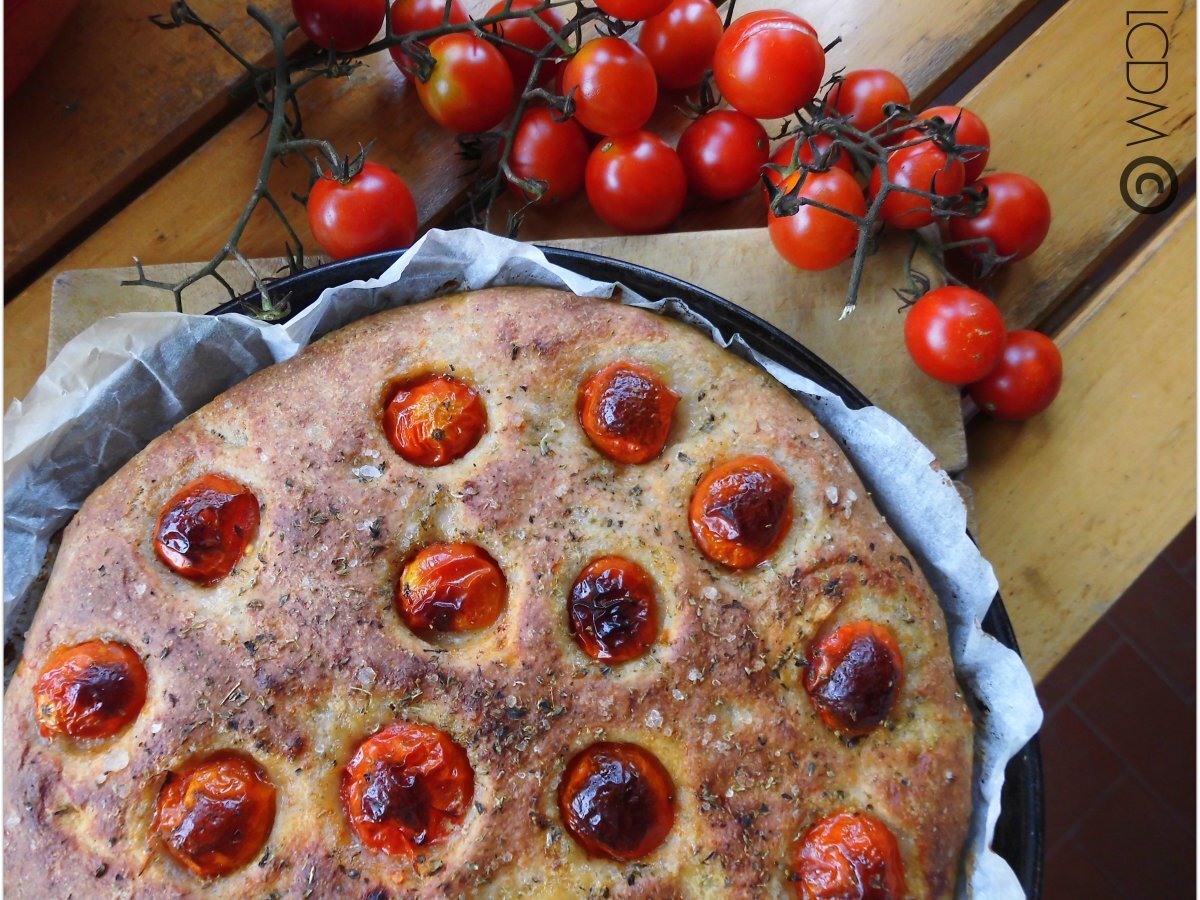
pixel 848 856
pixel 617 801
pixel 741 511
pixel 853 675
pixel 861 96
pixel 1014 219
pixel 214 815
pixel 524 32
pixel 1024 382
pixel 91 690
pixel 816 239
pixel 723 153
pixel 550 152
pixel 636 183
pixel 769 64
pixel 471 87
pixel 613 610
pixel 922 167
pixel 341 25
pixel 370 212
pixel 968 131
pixel 205 528
pixel 612 85
pixel 954 334
pixel 680 42
pixel 451 587
pixel 626 409
pixel 434 419
pixel 407 787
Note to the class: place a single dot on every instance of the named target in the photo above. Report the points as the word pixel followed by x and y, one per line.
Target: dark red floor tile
pixel 1182 550
pixel 1078 770
pixel 1062 680
pixel 1148 725
pixel 1158 615
pixel 1070 875
pixel 1131 838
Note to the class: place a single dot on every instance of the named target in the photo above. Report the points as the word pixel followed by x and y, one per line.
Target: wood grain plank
pixel 112 98
pixel 188 213
pixel 1075 503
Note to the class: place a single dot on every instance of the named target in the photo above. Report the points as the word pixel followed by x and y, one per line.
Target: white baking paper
pixel 128 378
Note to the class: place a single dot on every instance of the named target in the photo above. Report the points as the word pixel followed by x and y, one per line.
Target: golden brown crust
pixel 298 654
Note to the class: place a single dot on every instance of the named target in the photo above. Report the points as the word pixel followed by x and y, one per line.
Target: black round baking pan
pixel 1020 831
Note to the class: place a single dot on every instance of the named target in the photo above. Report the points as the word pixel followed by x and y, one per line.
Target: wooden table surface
pixel 127 140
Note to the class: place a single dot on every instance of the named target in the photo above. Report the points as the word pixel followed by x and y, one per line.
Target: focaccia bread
pixel 394 618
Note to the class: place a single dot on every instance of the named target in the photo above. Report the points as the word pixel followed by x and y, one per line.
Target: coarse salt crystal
pixel 654 719
pixel 678 694
pixel 156 727
pixel 366 472
pixel 831 494
pixel 710 593
pixel 695 675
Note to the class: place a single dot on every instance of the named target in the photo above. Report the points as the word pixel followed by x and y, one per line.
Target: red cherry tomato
pixel 853 676
pixel 625 409
pixel 954 334
pixel 471 87
pixel 741 511
pixel 680 42
pixel 450 587
pixel 215 814
pixel 1016 218
pixel 91 690
pixel 862 94
pixel 816 239
pixel 636 182
pixel 205 528
pixel 526 33
pixel 421 15
pixel 922 167
pixel 613 610
pixel 848 854
pixel 549 151
pixel 633 10
pixel 1024 382
pixel 407 787
pixel 769 64
pixel 373 211
pixel 820 145
pixel 617 801
pixel 722 153
pixel 969 132
pixel 434 420
pixel 341 25
pixel 614 86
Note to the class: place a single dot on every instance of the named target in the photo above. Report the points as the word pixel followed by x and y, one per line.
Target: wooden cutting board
pixel 867 347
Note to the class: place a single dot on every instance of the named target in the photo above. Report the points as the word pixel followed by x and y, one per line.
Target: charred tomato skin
pixel 613 610
pixel 91 690
pixel 204 529
pixel 848 856
pixel 433 420
pixel 853 676
pixel 450 587
pixel 626 409
pixel 741 511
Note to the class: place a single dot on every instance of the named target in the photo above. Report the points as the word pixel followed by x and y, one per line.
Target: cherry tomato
pixel 741 511
pixel 1016 218
pixel 853 676
pixel 371 212
pixel 526 33
pixel 680 42
pixel 614 86
pixel 954 334
pixel 636 182
pixel 861 95
pixel 922 167
pixel 969 132
pixel 421 15
pixel 551 152
pixel 848 855
pixel 722 153
pixel 821 145
pixel 204 529
pixel 451 587
pixel 1024 382
pixel 91 690
pixel 407 787
pixel 769 64
pixel 617 800
pixel 471 87
pixel 633 10
pixel 625 409
pixel 613 610
pixel 434 420
pixel 215 814
pixel 816 239
pixel 341 25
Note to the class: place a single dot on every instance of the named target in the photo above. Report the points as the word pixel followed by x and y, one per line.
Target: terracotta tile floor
pixel 1119 744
